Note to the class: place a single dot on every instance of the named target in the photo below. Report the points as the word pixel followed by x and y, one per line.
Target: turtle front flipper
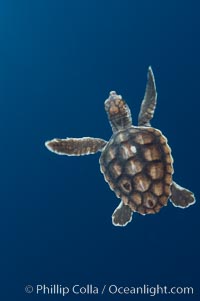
pixel 181 197
pixel 149 102
pixel 76 146
pixel 122 215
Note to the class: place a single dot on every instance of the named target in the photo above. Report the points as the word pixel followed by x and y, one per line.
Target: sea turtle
pixel 136 161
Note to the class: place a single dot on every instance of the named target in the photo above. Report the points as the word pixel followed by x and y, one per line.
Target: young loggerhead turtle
pixel 136 161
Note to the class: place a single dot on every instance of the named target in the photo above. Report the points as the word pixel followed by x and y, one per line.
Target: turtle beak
pixel 114 94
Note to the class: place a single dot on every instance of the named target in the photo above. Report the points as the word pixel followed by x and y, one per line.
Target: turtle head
pixel 118 112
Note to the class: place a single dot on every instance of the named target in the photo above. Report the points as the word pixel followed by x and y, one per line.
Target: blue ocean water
pixel 59 60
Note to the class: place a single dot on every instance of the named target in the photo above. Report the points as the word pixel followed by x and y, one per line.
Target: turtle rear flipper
pixel 76 146
pixel 181 197
pixel 122 215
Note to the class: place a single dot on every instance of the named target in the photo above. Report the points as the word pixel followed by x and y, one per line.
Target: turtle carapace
pixel 136 161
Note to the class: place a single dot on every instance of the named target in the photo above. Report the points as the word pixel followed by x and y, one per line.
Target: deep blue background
pixel 58 62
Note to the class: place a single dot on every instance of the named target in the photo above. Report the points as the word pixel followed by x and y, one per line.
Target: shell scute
pixel 137 164
pixel 157 188
pixel 149 200
pixel 133 166
pixel 111 154
pixel 125 184
pixel 115 169
pixel 152 153
pixel 144 138
pixel 135 198
pixel 127 151
pixel 156 170
pixel 141 182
